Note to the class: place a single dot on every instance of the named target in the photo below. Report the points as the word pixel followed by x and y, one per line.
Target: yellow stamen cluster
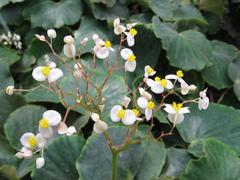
pixel 133 32
pixel 136 112
pixel 176 106
pixel 107 44
pixel 121 113
pixel 180 73
pixel 157 78
pixel 150 70
pixel 43 123
pixel 131 58
pixel 163 82
pixel 32 141
pixel 150 105
pixel 46 70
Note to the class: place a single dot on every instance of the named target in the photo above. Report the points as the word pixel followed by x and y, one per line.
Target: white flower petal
pixel 157 88
pixel 130 66
pixel 148 114
pixel 53 117
pixel 71 130
pixel 169 109
pixel 183 110
pixel 114 112
pixel 95 117
pixel 119 29
pixel 175 118
pixel 40 162
pixel 150 82
pixel 184 88
pixel 125 53
pixel 46 132
pixel 24 139
pixel 41 141
pixel 62 128
pixel 171 76
pixel 116 22
pixel 38 75
pixel 102 53
pixel 130 40
pixel 69 50
pixel 129 118
pixel 54 75
pixel 26 152
pixel 203 103
pixel 100 127
pixel 142 102
pixel 169 85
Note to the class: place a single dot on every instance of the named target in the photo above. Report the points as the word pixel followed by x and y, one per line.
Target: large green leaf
pixel 188 50
pixel 217 74
pixel 108 3
pixel 25 119
pixel 48 13
pixel 142 161
pixel 60 156
pixel 234 74
pixel 219 162
pixel 218 121
pixel 5 76
pixel 87 28
pixel 162 8
pixel 5 2
pixel 9 104
pixel 8 56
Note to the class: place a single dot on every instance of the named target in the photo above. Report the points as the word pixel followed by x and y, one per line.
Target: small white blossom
pixel 63 129
pixel 127 116
pixel 102 48
pixel 203 101
pixel 158 85
pixel 130 64
pixel 10 90
pixel 40 37
pixel 118 28
pixel 31 142
pixel 69 48
pixel 126 101
pixel 40 162
pixel 99 125
pixel 51 33
pixel 130 36
pixel 77 72
pixel 149 71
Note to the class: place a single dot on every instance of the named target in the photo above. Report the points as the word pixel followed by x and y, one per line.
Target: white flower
pixel 42 73
pixel 99 125
pixel 24 153
pixel 131 25
pixel 69 48
pixel 203 101
pixel 130 64
pixel 118 28
pixel 149 71
pixel 126 101
pixel 49 118
pixel 176 112
pixel 130 36
pixel 51 33
pixel 185 88
pixel 102 48
pixel 40 162
pixel 10 90
pixel 157 85
pixel 144 102
pixel 40 37
pixel 127 116
pixel 77 72
pixel 31 142
pixel 63 129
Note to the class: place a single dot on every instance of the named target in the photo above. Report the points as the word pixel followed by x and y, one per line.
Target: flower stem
pixel 114 165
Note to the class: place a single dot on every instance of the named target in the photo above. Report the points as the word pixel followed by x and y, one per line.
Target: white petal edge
pixel 24 139
pixel 54 75
pixel 53 117
pixel 38 75
pixel 114 112
pixel 142 102
pixel 129 118
pixel 125 53
pixel 130 66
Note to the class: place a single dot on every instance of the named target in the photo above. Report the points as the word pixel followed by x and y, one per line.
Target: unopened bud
pixel 192 87
pixel 100 127
pixel 40 162
pixel 95 117
pixel 19 155
pixel 68 39
pixel 126 101
pixel 40 37
pixel 95 37
pixel 51 33
pixel 10 90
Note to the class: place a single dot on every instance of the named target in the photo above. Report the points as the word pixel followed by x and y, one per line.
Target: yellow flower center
pixel 163 82
pixel 133 32
pixel 131 58
pixel 46 70
pixel 136 112
pixel 157 79
pixel 32 141
pixel 176 106
pixel 150 70
pixel 43 123
pixel 150 105
pixel 121 114
pixel 180 73
pixel 107 44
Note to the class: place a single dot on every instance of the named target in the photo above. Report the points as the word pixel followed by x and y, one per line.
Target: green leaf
pixel 219 162
pixel 9 104
pixel 188 50
pixel 26 63
pixel 60 156
pixel 8 172
pixel 25 119
pixel 151 53
pixel 162 8
pixel 234 74
pixel 49 14
pixel 5 2
pixel 213 6
pixel 8 56
pixel 87 28
pixel 218 121
pixel 5 76
pixel 140 162
pixel 217 74
pixel 108 3
pixel 177 160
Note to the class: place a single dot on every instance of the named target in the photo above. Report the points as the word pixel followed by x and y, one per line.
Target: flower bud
pixel 71 130
pixel 77 74
pixel 68 39
pixel 126 101
pixel 95 117
pixel 10 90
pixel 51 33
pixel 95 37
pixel 192 87
pixel 100 127
pixel 77 66
pixel 40 37
pixel 40 162
pixel 19 155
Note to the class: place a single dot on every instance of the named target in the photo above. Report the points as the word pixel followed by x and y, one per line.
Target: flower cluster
pixel 11 40
pixel 48 126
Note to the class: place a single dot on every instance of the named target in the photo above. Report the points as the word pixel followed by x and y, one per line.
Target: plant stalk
pixel 114 165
